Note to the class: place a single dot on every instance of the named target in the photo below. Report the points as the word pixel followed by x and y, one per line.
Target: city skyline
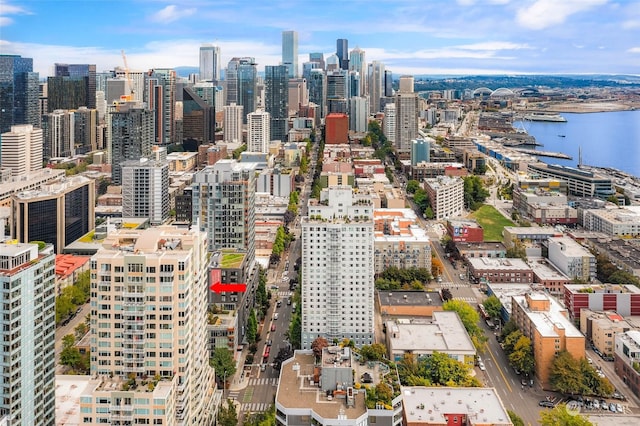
pixel 437 37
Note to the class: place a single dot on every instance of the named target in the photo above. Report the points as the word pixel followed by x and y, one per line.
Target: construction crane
pixel 130 96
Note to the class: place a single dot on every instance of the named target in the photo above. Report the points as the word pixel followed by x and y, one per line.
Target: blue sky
pixel 409 36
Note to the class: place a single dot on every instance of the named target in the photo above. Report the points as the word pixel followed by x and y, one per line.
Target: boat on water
pixel 545 116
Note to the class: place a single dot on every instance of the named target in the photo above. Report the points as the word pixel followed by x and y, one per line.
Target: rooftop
pixel 505 292
pixel 413 298
pixel 429 405
pixel 570 247
pixel 547 321
pixel 602 288
pixel 298 390
pixel 502 264
pixel 69 389
pixel 445 333
pixel 544 271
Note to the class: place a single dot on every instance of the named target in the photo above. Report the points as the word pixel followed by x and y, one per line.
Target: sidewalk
pixel 240 379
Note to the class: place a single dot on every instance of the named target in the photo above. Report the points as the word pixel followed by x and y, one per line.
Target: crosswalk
pixel 262 381
pixel 466 299
pixel 233 394
pixel 254 407
pixel 284 293
pixel 448 284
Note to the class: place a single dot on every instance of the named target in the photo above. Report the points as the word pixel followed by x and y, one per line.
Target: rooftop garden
pixel 231 260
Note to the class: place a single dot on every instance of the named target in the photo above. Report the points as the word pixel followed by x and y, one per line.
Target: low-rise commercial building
pixel 613 221
pixel 481 249
pixel 627 359
pixel 547 276
pixel 399 241
pixel 600 328
pixel 444 333
pixel 497 270
pixel 580 183
pixel 431 406
pixel 543 320
pixel 465 231
pixel 408 304
pixel 572 259
pixel 621 298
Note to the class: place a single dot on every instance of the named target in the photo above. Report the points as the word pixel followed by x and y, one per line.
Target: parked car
pixel 596 404
pixel 273 327
pixel 612 407
pixel 619 408
pixel 545 403
pixel 481 366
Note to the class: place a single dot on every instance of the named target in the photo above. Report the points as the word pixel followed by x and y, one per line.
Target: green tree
pixel 374 352
pixel 223 363
pixel 566 376
pixel 227 416
pixel 295 331
pixel 412 186
pixel 515 419
pixel 561 416
pixel 252 327
pixel 508 328
pixel 511 339
pixel 81 329
pixel 469 318
pixel 69 355
pixel 492 306
pixel 522 355
pixel 64 307
pixel 238 151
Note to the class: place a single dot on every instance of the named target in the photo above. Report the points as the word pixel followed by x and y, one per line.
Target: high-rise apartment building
pixel 19 92
pixel 150 361
pixel 389 122
pixel 337 91
pixel 342 52
pixel 318 90
pixel 290 52
pixel 129 135
pixel 198 118
pixel 209 62
pixel 160 96
pixel 406 84
pixel 258 131
pixel 59 134
pixel 338 268
pixel 145 190
pixel 224 205
pixel 22 149
pixel 376 85
pixel 388 83
pixel 358 114
pixel 232 126
pixel 28 320
pixel 58 213
pixel 446 195
pixel 317 57
pixel 406 123
pixel 277 101
pixel 298 94
pixel 85 132
pixel 72 86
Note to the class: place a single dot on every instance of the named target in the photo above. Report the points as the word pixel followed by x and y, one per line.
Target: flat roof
pixel 544 321
pixel 296 393
pixel 429 405
pixel 69 389
pixel 571 247
pixel 505 291
pixel 505 264
pixel 409 298
pixel 603 288
pixel 445 333
pixel 545 271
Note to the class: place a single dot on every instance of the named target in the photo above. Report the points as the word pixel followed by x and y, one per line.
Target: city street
pixel 63 330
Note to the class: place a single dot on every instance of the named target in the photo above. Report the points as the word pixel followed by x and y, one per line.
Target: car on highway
pixel 545 403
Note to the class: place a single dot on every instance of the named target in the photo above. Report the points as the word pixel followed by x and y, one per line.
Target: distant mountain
pixel 185 71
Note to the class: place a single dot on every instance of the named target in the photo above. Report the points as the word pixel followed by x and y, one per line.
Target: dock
pixel 544 153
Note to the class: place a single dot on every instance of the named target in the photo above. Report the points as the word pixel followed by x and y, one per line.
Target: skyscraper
pixel 318 90
pixel 28 319
pixel 145 190
pixel 150 363
pixel 209 62
pixel 258 131
pixel 337 268
pixel 129 135
pixel 342 51
pixel 317 57
pixel 388 83
pixel 358 63
pixel 389 122
pixel 22 149
pixel 86 122
pixel 198 118
pixel 242 87
pixel 337 91
pixel 277 100
pixel 19 92
pixel 160 96
pixel 290 52
pixel 376 85
pixel 72 86
pixel 59 134
pixel 232 127
pixel 358 114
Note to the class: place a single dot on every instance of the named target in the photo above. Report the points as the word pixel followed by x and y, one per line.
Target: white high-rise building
pixel 209 62
pixel 258 130
pixel 290 52
pixel 145 190
pixel 22 149
pixel 358 63
pixel 338 268
pixel 375 85
pixel 59 137
pixel 28 320
pixel 406 123
pixel 358 114
pixel 150 359
pixel 389 122
pixel 446 195
pixel 232 127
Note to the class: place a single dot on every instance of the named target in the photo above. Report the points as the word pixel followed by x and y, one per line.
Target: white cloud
pixel 631 24
pixel 5 21
pixel 547 13
pixel 634 50
pixel 8 9
pixel 494 45
pixel 171 13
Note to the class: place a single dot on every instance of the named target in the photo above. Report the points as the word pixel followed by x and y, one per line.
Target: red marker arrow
pixel 219 287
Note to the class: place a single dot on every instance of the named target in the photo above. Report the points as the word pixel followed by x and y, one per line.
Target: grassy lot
pixel 231 260
pixel 492 221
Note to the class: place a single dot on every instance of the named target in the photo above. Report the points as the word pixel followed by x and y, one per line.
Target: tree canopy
pixel 469 318
pixel 577 377
pixel 561 416
pixel 436 370
pixel 224 364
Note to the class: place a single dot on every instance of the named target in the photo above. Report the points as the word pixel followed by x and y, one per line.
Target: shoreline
pixel 587 107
